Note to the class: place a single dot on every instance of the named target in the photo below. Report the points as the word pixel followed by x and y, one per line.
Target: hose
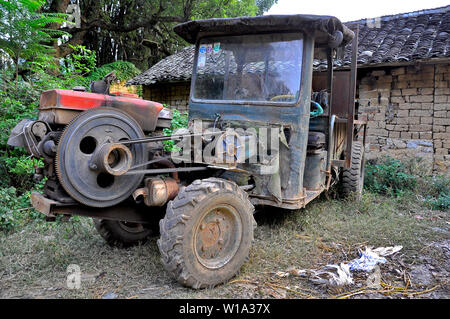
pixel 318 111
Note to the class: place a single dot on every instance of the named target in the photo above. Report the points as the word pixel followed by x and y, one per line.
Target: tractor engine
pixel 81 138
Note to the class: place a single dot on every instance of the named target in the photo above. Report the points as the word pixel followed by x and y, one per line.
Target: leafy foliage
pixel 392 177
pixel 389 176
pixel 18 101
pixel 264 5
pixel 437 191
pixel 81 61
pixel 23 32
pixel 124 71
pixel 15 209
pixel 10 204
pixel 442 202
pixel 24 41
pixel 179 120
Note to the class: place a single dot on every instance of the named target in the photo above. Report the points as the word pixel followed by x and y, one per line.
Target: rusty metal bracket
pixel 127 211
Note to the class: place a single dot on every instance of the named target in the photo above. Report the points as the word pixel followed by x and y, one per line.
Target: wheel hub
pixel 209 235
pixel 114 159
pixel 218 237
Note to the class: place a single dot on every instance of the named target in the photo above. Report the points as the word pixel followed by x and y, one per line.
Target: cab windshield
pixel 252 68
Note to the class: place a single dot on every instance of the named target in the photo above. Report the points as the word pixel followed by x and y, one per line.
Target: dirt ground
pixel 34 260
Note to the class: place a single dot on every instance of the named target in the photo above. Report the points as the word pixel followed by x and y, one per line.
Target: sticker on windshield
pixel 216 47
pixel 209 48
pixel 201 61
pixel 202 49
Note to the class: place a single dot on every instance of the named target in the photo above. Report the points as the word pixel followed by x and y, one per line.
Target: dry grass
pixel 33 261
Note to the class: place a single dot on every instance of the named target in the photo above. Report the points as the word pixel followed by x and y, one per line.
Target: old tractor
pixel 265 130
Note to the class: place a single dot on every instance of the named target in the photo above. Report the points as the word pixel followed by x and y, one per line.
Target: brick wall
pixel 408 112
pixel 173 95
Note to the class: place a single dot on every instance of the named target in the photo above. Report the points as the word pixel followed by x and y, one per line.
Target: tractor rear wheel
pixel 353 177
pixel 206 233
pixel 122 234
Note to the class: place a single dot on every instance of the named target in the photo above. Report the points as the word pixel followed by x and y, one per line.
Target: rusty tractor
pixel 264 130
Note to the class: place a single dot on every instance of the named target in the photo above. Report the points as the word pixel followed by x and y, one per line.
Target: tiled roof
pixel 403 37
pixel 175 68
pixel 406 37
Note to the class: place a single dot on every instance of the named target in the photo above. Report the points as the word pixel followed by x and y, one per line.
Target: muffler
pixel 157 191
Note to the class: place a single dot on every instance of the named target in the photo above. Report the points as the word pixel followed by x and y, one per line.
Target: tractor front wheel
pixel 206 233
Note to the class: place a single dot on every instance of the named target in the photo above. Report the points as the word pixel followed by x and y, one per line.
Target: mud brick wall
pixel 408 113
pixel 120 87
pixel 173 95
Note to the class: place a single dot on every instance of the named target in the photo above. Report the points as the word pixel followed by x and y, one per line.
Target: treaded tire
pixel 183 229
pixel 353 177
pixel 115 233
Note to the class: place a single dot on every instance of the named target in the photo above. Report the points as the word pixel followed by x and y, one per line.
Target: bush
pixel 392 177
pixel 11 208
pixel 388 177
pixel 81 61
pixel 179 120
pixel 442 202
pixel 436 190
pixel 124 71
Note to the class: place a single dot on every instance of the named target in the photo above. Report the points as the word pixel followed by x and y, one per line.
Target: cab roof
pixel 321 27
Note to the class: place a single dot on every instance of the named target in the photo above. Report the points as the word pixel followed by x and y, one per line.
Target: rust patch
pixel 209 234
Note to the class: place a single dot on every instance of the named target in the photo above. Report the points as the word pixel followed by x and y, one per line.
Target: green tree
pixel 264 5
pixel 23 32
pixel 140 31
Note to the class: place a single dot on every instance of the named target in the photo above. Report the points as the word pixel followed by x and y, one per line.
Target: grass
pixel 34 260
pixel 305 238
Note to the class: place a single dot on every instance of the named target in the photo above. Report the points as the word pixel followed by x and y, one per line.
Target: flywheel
pixel 78 147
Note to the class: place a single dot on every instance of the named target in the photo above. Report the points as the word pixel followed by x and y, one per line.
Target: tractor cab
pixel 257 73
